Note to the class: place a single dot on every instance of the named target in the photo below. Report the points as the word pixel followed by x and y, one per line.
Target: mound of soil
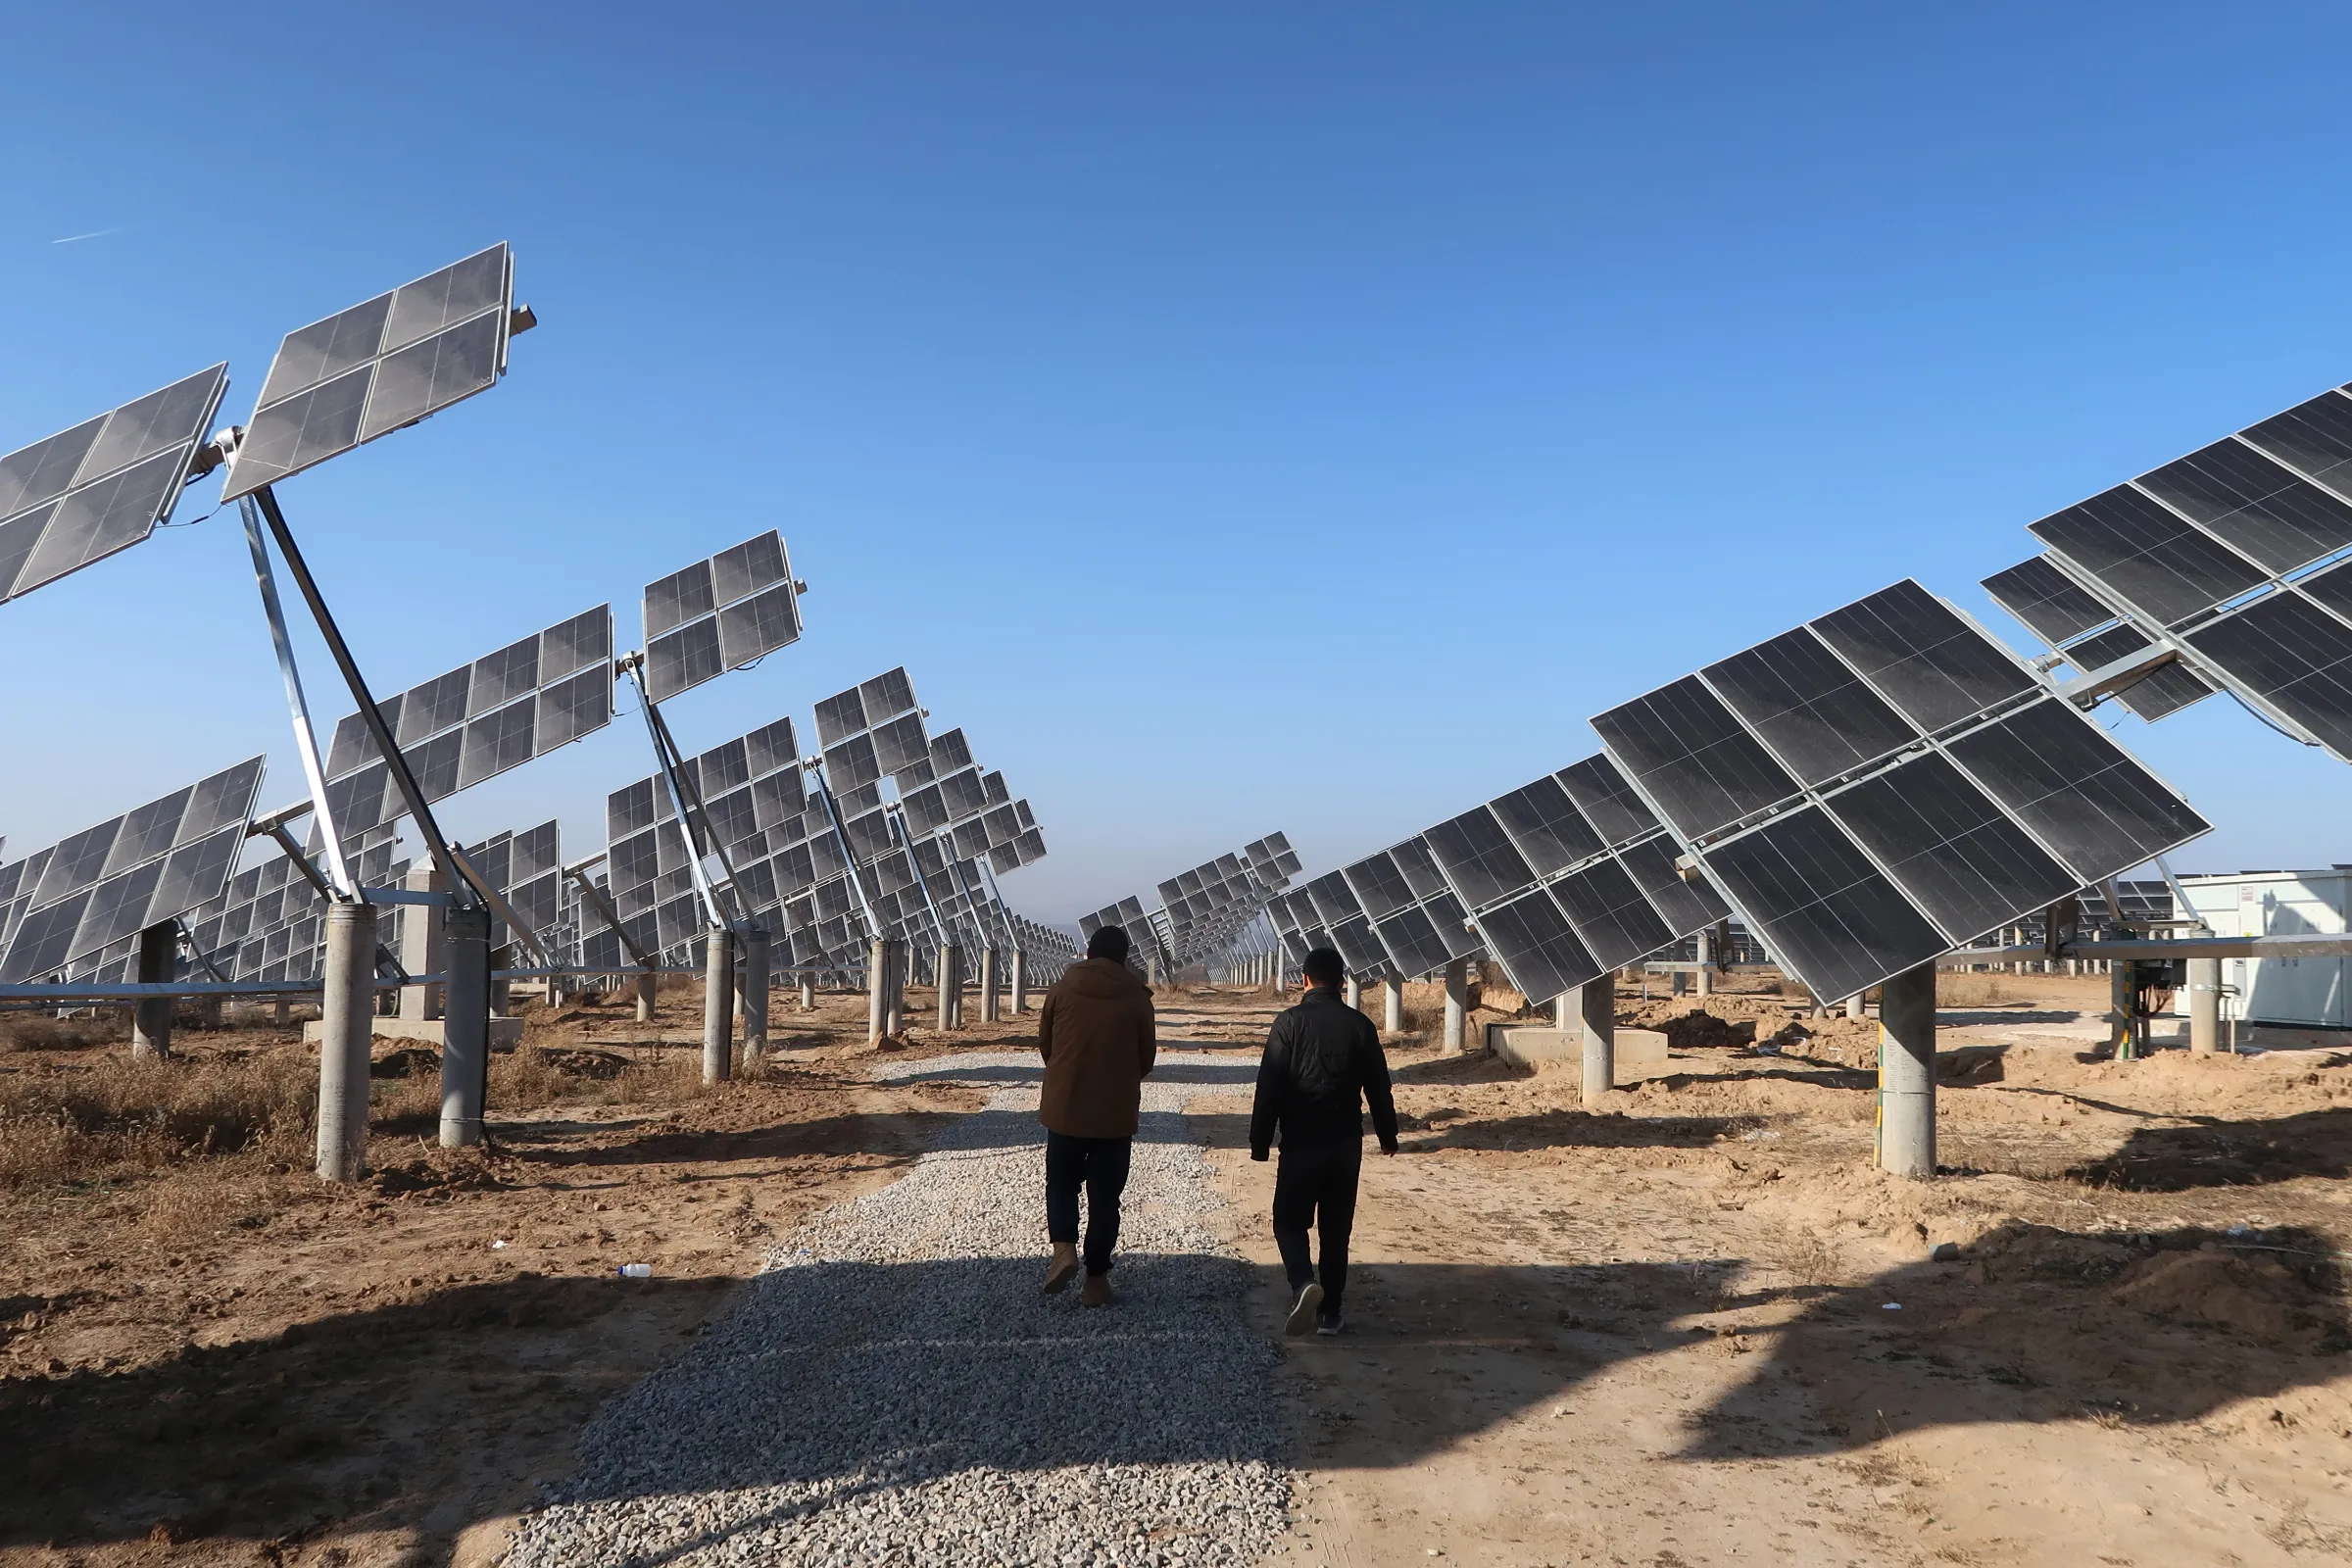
pixel 2250 1293
pixel 1704 1031
pixel 584 1062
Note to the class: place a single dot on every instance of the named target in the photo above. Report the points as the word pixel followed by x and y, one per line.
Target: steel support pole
pixel 1020 981
pixel 988 981
pixel 754 992
pixel 1907 1073
pixel 1563 1010
pixel 949 977
pixel 718 1006
pixel 2120 1002
pixel 151 1018
pixel 1457 1003
pixel 346 1036
pixel 465 1025
pixel 1394 1006
pixel 877 990
pixel 1596 1011
pixel 2204 1007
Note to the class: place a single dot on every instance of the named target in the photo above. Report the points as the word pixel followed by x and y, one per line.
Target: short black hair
pixel 1325 968
pixel 1110 943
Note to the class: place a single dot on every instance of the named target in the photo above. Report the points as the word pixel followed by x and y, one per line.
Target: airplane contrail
pixel 95 233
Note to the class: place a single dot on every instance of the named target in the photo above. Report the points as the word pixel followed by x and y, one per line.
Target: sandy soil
pixel 1658 1335
pixel 1697 1328
pixel 245 1366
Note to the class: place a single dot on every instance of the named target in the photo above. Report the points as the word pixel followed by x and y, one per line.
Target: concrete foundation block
pixel 1640 1053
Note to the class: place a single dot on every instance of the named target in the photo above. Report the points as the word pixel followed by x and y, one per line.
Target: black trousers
pixel 1099 1165
pixel 1315 1185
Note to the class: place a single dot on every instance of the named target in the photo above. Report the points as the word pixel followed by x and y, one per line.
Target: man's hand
pixel 1388 1149
pixel 1258 1154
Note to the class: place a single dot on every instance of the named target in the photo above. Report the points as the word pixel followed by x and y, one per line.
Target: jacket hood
pixel 1101 977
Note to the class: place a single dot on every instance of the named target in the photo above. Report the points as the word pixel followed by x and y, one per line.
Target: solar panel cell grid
pixel 1930 664
pixel 2049 602
pixel 1812 711
pixel 1692 757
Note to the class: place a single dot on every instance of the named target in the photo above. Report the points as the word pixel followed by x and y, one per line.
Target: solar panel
pixel 1822 906
pixel 1615 922
pixel 102 486
pixel 377 366
pixel 719 614
pixel 2148 555
pixel 1531 938
pixel 1809 707
pixel 2287 651
pixel 1692 756
pixel 2254 504
pixel 1607 799
pixel 1685 905
pixel 2046 600
pixel 2097 809
pixel 1546 826
pixel 1920 655
pixel 1964 860
pixel 106 883
pixel 478 720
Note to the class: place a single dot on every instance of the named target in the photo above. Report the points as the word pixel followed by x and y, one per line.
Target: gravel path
pixel 894 1389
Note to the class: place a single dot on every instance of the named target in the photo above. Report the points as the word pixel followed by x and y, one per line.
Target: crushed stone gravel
pixel 894 1389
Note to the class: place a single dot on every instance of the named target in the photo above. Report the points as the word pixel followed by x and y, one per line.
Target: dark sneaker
pixel 1329 1323
pixel 1305 1309
pixel 1096 1292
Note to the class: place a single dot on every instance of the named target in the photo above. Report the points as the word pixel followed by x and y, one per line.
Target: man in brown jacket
pixel 1096 1034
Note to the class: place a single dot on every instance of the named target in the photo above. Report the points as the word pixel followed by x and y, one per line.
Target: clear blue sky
pixel 1237 417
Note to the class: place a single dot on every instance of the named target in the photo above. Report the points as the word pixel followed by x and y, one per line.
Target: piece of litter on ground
pixel 495 1245
pixel 1891 1306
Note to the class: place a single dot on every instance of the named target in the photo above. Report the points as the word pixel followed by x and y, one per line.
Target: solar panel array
pixel 526 871
pixel 754 808
pixel 478 720
pixel 103 485
pixel 1560 881
pixel 1883 784
pixel 269 923
pixel 719 614
pixel 105 884
pixel 380 365
pixel 2235 558
pixel 1203 911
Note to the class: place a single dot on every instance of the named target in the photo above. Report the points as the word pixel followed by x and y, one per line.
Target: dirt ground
pixel 1693 1328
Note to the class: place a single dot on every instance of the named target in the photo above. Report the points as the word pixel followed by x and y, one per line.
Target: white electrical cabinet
pixel 2299 993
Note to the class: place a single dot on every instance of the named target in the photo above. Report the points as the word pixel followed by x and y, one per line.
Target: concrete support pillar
pixel 421 940
pixel 1706 963
pixel 2120 1002
pixel 1393 1007
pixel 718 1007
pixel 1457 1003
pixel 990 980
pixel 151 1018
pixel 1597 1013
pixel 502 992
pixel 897 958
pixel 950 981
pixel 754 992
pixel 1152 971
pixel 1907 1073
pixel 648 984
pixel 1355 993
pixel 1853 1006
pixel 807 993
pixel 877 990
pixel 1676 983
pixel 2204 1007
pixel 464 1026
pixel 346 1036
pixel 1020 981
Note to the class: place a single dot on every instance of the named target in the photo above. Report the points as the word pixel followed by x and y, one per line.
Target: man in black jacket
pixel 1323 1062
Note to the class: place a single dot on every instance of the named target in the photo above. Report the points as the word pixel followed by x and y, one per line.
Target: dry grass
pixel 116 1116
pixel 1972 991
pixel 42 1031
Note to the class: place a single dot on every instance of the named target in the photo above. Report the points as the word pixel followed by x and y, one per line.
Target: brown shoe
pixel 1064 1269
pixel 1096 1292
